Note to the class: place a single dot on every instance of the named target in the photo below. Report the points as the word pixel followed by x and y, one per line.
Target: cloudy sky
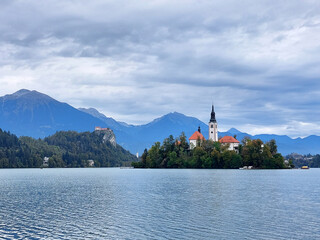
pixel 258 61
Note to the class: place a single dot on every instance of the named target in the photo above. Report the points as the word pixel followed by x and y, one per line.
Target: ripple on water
pixel 159 204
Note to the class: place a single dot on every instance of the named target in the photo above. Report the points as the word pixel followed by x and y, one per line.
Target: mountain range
pixel 34 114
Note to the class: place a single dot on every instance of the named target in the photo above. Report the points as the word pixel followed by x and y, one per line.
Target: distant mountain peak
pixel 21 92
pixel 234 131
pixel 168 116
pixel 27 94
pixel 94 112
pixel 109 121
pixel 174 114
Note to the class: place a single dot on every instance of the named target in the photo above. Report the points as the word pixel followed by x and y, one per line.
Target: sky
pixel 257 61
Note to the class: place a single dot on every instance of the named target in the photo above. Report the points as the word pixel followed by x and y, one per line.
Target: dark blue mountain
pixel 34 114
pixel 170 124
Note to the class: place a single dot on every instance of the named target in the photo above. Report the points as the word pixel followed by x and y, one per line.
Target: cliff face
pixel 108 136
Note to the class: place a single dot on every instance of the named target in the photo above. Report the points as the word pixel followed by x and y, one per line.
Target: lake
pixel 111 203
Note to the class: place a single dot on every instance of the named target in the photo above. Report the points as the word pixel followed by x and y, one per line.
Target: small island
pixel 176 153
pixel 223 153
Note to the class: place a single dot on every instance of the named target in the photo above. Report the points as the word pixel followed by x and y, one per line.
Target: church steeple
pixel 213 115
pixel 213 126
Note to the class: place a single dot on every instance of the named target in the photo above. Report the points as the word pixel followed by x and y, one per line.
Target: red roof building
pixel 233 144
pixel 101 129
pixel 228 139
pixel 196 135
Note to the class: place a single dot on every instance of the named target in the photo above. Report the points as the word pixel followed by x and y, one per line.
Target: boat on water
pixel 246 168
pixel 305 167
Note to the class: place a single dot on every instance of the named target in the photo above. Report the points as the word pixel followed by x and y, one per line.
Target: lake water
pixel 106 203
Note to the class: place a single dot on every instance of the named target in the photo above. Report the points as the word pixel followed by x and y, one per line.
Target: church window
pixel 211 125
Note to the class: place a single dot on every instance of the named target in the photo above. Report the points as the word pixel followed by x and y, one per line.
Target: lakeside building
pixel 45 162
pixel 90 163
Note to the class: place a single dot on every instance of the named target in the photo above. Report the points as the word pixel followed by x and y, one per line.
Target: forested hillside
pixel 304 160
pixel 64 149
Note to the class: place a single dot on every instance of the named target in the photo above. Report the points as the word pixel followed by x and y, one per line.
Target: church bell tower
pixel 213 126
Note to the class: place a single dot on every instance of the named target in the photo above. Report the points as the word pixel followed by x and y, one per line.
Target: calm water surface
pixel 159 204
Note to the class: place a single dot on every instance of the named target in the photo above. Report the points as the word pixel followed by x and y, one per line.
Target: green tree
pixel 154 158
pixel 272 146
pixel 198 153
pixel 172 163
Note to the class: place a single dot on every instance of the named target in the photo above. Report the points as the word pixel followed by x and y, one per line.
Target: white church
pixel 233 144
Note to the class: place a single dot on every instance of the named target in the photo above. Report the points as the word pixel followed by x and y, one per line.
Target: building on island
pixel 233 144
pixel 196 136
pixel 213 126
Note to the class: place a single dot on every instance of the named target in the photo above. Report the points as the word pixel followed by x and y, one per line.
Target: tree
pixel 198 153
pixel 252 153
pixel 144 157
pixel 154 156
pixel 183 142
pixel 172 160
pixel 216 159
pixel 273 146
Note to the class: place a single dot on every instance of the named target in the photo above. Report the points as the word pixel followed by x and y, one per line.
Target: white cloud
pixel 292 128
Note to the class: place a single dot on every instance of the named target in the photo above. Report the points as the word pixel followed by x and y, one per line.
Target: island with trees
pixel 176 153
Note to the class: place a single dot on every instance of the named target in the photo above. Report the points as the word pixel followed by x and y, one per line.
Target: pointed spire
pixel 199 130
pixel 213 115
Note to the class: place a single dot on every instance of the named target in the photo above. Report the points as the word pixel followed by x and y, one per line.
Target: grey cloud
pixel 176 55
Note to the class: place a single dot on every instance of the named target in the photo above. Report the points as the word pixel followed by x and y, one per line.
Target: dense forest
pixel 304 160
pixel 63 149
pixel 175 153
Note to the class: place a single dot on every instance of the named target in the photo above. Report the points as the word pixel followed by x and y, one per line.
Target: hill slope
pixel 63 149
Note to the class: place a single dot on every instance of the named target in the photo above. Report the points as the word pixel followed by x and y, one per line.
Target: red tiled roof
pixel 197 135
pixel 228 139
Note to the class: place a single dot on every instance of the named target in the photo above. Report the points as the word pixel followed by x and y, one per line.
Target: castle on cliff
pixel 108 135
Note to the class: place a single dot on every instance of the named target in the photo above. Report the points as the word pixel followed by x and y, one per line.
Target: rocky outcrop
pixel 108 136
